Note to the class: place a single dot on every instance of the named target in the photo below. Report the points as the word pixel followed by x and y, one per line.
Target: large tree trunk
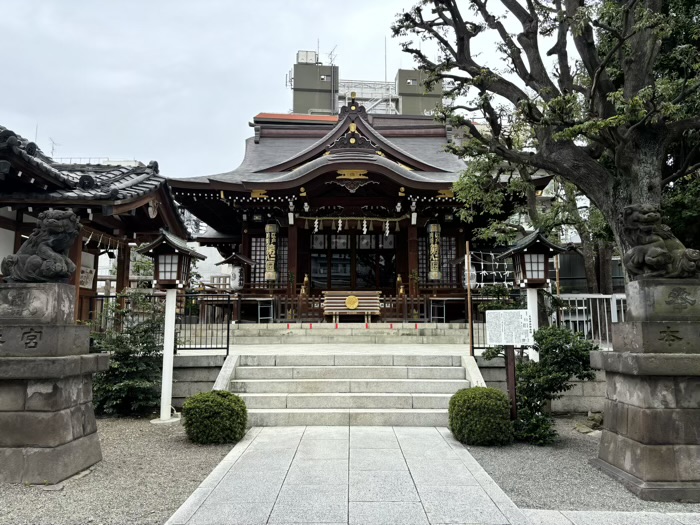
pixel 639 163
pixel 605 252
pixel 588 254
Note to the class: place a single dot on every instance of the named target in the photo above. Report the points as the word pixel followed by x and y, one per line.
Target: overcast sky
pixel 175 81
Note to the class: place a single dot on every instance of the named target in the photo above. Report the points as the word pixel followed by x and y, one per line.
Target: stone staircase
pixel 356 333
pixel 348 389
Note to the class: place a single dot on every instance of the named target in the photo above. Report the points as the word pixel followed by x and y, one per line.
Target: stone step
pixel 354 339
pixel 344 416
pixel 297 386
pixel 346 400
pixel 341 326
pixel 350 372
pixel 354 332
pixel 350 360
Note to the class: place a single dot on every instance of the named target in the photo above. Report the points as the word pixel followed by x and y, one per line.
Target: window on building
pixel 325 78
pixel 412 81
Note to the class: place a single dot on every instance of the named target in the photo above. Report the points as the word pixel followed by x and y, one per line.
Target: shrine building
pixel 358 201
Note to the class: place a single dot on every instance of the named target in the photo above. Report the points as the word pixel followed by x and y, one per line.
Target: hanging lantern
pixel 271 231
pixel 434 273
pixel 530 256
pixel 172 258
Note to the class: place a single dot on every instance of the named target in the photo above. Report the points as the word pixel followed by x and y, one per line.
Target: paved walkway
pixel 368 475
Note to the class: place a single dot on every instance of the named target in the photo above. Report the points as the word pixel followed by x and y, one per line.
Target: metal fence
pixel 203 322
pixel 592 315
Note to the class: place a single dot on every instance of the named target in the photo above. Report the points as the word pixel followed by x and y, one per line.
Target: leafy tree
pixel 681 210
pixel 603 93
pixel 130 386
pixel 563 356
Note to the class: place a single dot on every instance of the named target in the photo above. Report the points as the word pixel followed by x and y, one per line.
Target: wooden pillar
pixel 292 252
pixel 76 255
pixel 123 268
pixel 413 255
pixel 245 250
pixel 19 230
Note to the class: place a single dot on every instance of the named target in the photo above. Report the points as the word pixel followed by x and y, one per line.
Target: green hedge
pixel 481 416
pixel 215 417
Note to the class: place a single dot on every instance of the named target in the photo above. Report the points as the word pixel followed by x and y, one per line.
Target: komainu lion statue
pixel 43 258
pixel 655 252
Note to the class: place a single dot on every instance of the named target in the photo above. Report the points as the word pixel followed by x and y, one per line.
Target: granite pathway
pixel 368 475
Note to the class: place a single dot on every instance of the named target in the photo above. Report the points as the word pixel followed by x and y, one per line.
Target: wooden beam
pixel 292 251
pixel 413 253
pixel 123 263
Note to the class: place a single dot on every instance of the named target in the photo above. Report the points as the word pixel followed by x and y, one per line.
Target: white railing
pixel 592 315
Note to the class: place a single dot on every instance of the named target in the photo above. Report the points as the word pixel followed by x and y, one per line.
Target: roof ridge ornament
pixel 353 110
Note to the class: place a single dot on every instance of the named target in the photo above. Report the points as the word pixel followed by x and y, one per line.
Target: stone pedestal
pixel 47 421
pixel 651 441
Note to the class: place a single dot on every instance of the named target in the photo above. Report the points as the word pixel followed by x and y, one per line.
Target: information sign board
pixel 508 327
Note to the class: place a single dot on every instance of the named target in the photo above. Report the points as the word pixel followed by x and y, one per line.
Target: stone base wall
pixel 47 421
pixel 193 375
pixel 584 397
pixel 48 424
pixel 651 441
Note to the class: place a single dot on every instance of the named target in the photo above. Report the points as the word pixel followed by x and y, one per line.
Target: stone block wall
pixel 194 374
pixel 585 396
pixel 47 421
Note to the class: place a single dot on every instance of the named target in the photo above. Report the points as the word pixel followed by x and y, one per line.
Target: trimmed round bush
pixel 215 417
pixel 481 416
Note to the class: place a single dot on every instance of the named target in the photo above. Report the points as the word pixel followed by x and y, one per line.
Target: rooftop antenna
pixel 36 132
pixel 331 59
pixel 388 92
pixel 53 146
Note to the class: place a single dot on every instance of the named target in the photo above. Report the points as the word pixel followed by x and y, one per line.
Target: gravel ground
pixel 147 472
pixel 559 477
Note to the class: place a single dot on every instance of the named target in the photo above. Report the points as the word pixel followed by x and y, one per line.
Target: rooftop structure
pixel 319 90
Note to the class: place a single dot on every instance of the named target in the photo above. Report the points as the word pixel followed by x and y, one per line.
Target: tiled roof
pixel 531 239
pixel 273 151
pixel 82 181
pixel 173 241
pixel 296 118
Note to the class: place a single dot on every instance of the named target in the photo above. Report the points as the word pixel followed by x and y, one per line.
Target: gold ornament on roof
pixel 258 194
pixel 352 174
pixel 446 194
